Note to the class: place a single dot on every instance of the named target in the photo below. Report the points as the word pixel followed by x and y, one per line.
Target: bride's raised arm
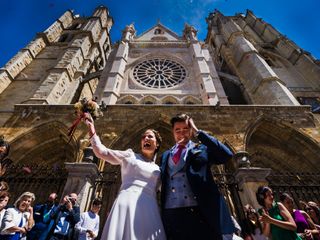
pixel 114 157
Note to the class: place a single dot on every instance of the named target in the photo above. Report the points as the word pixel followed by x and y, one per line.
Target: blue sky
pixel 20 20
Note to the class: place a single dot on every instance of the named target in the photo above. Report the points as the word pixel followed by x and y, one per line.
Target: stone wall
pixel 122 125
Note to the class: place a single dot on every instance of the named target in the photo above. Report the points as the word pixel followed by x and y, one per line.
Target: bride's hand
pixel 90 123
pixel 87 119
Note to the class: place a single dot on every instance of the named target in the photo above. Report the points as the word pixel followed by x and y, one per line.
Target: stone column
pixel 249 179
pixel 81 178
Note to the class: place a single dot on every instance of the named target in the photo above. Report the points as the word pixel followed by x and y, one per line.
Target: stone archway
pixel 129 99
pixel 281 148
pixel 170 100
pixel 46 144
pixel 38 157
pixel 149 100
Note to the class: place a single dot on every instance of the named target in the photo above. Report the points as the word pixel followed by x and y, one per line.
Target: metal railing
pixel 301 186
pixel 38 179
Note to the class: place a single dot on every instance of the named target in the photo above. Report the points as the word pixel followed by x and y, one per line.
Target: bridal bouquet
pixel 88 106
pixel 82 107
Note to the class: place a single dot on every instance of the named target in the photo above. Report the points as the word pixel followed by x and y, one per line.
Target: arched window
pixel 157 31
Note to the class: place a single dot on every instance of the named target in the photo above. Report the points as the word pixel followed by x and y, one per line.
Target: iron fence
pixel 38 179
pixel 301 186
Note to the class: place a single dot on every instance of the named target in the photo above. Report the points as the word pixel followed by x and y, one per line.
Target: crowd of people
pixel 191 206
pixel 279 220
pixel 52 220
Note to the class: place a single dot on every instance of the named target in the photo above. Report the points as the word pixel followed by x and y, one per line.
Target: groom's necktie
pixel 177 155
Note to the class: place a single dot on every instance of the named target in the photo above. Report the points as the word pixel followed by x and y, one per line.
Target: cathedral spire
pixel 128 32
pixel 190 32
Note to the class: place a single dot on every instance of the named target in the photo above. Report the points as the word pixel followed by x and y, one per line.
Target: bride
pixel 135 212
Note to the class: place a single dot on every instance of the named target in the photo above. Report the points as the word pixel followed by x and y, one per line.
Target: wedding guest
pixel 276 220
pixel 66 216
pixel 302 205
pixel 135 213
pixel 305 226
pixel 4 186
pixel 43 221
pixel 4 148
pixel 314 212
pixel 4 198
pixel 88 227
pixel 18 221
pixel 4 161
pixel 252 227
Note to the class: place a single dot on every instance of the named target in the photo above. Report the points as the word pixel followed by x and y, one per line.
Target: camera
pixel 70 199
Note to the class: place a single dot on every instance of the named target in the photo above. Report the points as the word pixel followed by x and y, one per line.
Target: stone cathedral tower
pixel 247 85
pixel 52 67
pixel 264 65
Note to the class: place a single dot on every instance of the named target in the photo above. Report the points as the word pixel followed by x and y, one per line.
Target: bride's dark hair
pixel 158 138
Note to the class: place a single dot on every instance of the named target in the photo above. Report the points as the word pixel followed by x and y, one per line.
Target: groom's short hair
pixel 181 117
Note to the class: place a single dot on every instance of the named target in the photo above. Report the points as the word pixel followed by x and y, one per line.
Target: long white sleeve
pixel 88 221
pixel 114 157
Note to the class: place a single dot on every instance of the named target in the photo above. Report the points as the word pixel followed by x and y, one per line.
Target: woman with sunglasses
pixel 276 220
pixel 135 213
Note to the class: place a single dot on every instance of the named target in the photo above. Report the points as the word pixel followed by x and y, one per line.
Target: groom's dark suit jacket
pixel 198 171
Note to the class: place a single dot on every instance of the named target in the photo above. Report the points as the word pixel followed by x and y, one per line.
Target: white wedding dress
pixel 135 213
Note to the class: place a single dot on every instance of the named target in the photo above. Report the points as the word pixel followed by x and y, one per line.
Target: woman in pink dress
pixel 305 226
pixel 135 213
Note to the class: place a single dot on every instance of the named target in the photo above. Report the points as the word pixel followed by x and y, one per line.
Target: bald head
pixel 52 197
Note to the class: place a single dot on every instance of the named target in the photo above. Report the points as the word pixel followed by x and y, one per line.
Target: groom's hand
pixel 192 125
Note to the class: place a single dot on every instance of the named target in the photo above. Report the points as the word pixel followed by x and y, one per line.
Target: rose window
pixel 159 73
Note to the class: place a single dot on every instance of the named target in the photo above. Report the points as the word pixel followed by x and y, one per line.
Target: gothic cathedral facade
pixel 247 84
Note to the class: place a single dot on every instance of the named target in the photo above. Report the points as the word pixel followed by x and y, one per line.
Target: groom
pixel 192 207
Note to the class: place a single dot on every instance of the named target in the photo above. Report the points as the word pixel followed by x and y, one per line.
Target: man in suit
pixel 42 219
pixel 192 206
